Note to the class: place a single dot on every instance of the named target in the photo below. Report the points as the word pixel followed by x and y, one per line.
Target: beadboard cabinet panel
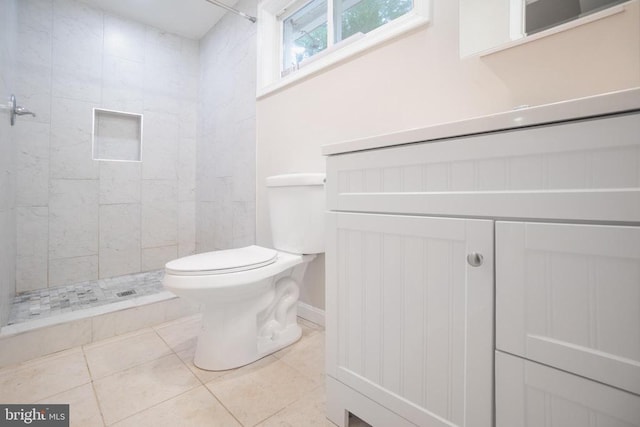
pixel 409 322
pixel 529 394
pixel 568 295
pixel 581 170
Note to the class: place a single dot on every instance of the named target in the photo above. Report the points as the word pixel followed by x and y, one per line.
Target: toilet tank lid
pixel 294 179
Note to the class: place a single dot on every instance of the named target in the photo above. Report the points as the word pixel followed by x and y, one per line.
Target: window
pixel 304 33
pixel 300 38
pixel 362 16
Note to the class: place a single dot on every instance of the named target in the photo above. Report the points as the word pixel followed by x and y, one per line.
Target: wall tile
pixel 73 57
pixel 122 99
pixel 34 46
pixel 186 228
pixel 162 48
pixel 33 91
pixel 32 272
pixel 205 172
pixel 205 226
pixel 120 182
pixel 223 226
pixel 244 163
pixel 177 308
pixel 35 14
pixel 119 239
pixel 64 271
pixel 223 158
pixel 122 73
pixel 160 146
pixel 226 138
pixel 73 218
pixel 167 80
pixel 190 54
pixel 187 170
pixel 188 119
pixel 32 164
pixel 124 38
pixel 156 258
pixel 71 151
pixel 22 347
pixel 32 231
pixel 32 248
pixel 73 83
pixel 77 19
pixel 77 51
pixel 8 35
pixel 244 232
pixel 159 213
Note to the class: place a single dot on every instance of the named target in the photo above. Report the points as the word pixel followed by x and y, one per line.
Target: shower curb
pixel 37 338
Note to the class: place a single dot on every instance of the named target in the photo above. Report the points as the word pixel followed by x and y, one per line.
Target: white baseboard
pixel 310 313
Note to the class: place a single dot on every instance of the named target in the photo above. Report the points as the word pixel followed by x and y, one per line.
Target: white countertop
pixel 614 102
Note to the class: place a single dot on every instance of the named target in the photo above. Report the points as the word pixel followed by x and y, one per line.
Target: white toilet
pixel 249 295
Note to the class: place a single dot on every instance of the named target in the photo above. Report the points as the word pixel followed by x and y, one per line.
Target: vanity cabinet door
pixel 529 394
pixel 409 319
pixel 568 296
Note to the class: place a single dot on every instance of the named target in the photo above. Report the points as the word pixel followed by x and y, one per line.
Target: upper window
pixel 304 33
pixel 297 39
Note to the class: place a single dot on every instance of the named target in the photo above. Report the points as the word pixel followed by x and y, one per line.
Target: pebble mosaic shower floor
pixel 42 303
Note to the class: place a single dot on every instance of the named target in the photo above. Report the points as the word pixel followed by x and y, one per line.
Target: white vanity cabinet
pixel 413 287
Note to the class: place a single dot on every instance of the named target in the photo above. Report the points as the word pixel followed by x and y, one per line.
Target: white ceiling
pixel 188 18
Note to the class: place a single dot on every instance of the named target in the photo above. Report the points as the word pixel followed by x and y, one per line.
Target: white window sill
pixel 555 30
pixel 347 50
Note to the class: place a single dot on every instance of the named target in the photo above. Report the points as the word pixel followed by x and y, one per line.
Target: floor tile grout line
pixel 178 321
pixel 202 382
pixel 288 405
pixel 137 365
pixel 170 353
pixel 154 405
pixel 300 372
pixel 116 338
pixel 11 370
pixel 179 358
pixel 297 369
pixel 222 404
pixel 93 387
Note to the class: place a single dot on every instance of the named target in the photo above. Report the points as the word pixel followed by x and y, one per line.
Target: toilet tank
pixel 297 207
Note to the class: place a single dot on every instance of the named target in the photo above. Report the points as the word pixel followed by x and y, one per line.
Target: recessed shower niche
pixel 117 135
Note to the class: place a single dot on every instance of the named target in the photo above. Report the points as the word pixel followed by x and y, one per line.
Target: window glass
pixel 362 16
pixel 304 34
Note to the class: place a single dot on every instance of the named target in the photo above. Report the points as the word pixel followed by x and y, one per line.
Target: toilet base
pixel 212 356
pixel 235 333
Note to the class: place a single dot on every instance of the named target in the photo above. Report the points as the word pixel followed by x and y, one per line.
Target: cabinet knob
pixel 475 259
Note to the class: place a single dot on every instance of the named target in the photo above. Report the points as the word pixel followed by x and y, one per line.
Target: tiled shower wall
pixel 226 139
pixel 7 159
pixel 80 219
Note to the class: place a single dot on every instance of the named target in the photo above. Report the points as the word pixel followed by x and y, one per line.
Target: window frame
pixel 270 53
pixel 289 11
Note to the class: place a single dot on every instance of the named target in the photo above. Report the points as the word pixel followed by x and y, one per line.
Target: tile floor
pixel 147 378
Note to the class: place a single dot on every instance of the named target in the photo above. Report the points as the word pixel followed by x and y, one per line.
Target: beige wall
pixel 418 80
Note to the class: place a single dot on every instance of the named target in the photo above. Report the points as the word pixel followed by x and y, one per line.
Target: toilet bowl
pixel 249 295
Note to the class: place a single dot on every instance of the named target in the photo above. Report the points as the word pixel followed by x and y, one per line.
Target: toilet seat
pixel 222 262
